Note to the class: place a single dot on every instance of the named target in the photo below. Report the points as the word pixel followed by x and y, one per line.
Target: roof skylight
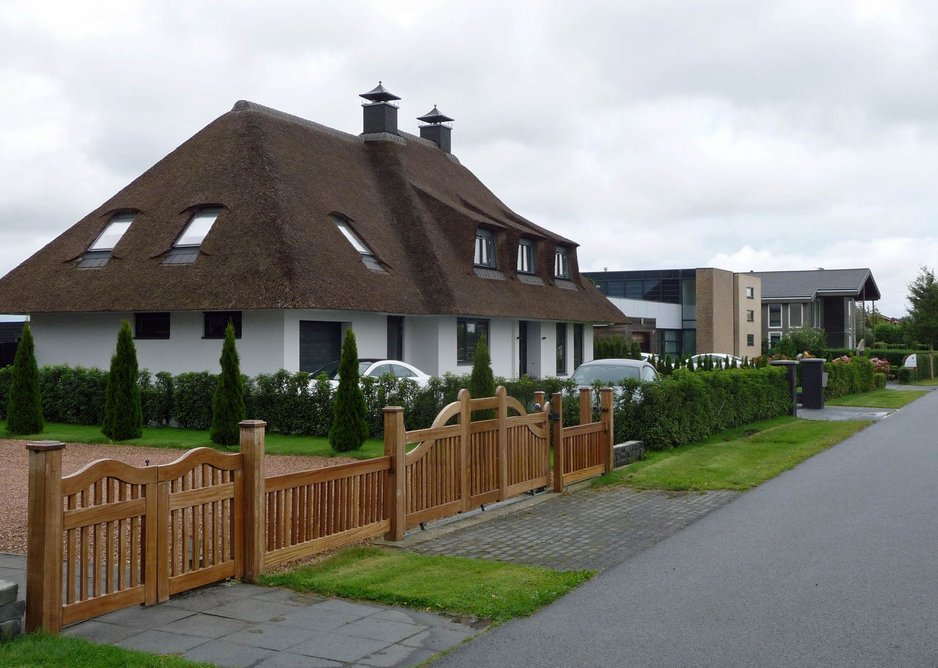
pixel 112 233
pixel 368 256
pixel 198 228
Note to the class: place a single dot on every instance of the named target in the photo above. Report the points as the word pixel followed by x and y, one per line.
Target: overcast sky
pixel 737 134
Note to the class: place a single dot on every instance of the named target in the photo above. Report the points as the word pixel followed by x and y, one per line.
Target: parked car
pixel 376 368
pixel 613 372
pixel 725 359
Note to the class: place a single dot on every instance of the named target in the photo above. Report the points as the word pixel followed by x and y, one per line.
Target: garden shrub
pixel 879 380
pixel 24 404
pixel 349 426
pixel 192 399
pixel 905 375
pixel 123 412
pixel 228 398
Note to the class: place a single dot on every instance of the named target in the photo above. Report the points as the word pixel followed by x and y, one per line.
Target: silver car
pixel 613 372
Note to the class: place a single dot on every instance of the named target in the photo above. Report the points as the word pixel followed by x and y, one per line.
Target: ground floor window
pixel 774 337
pixel 750 339
pixel 577 345
pixel 561 348
pixel 151 325
pixel 468 333
pixel 217 321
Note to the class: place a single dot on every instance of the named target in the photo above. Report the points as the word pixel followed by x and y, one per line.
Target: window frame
pixel 145 333
pixel 750 315
pixel 750 340
pixel 750 292
pixel 462 340
pixel 562 263
pixel 774 337
pixel 198 215
pixel 212 332
pixel 483 254
pixel 125 219
pixel 771 308
pixel 526 257
pixel 791 321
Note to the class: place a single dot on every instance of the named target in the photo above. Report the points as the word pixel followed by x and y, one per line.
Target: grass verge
pixel 737 459
pixel 186 439
pixel 878 399
pixel 40 649
pixel 928 381
pixel 493 590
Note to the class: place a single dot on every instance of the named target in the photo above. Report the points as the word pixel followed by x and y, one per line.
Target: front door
pixel 320 343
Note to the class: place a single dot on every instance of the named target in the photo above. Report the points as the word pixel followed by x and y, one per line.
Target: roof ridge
pixel 247 105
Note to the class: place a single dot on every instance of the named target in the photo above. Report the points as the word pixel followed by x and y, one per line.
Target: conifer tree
pixel 349 426
pixel 123 412
pixel 482 380
pixel 24 404
pixel 228 399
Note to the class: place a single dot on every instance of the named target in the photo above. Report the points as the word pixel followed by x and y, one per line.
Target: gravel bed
pixel 14 467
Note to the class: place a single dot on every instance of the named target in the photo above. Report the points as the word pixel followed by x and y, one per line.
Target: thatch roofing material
pixel 277 179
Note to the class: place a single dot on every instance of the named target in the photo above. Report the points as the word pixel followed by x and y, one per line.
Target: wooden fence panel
pixel 313 511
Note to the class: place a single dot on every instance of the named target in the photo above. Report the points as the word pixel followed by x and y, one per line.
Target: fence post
pixel 502 395
pixel 556 431
pixel 394 441
pixel 586 405
pixel 465 418
pixel 539 399
pixel 254 497
pixel 44 537
pixel 608 417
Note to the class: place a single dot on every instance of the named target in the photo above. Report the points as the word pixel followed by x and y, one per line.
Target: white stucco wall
pixel 667 316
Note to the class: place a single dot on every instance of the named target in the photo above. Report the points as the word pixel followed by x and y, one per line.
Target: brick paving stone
pixel 586 529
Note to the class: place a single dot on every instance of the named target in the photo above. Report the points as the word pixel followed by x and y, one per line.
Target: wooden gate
pixel 113 535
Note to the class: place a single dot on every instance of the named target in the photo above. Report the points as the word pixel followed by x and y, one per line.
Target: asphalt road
pixel 834 563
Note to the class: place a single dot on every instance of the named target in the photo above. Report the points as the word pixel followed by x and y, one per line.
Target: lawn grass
pixel 51 651
pixel 927 381
pixel 878 399
pixel 738 459
pixel 494 590
pixel 186 439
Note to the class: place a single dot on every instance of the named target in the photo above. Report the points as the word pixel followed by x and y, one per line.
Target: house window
pixel 561 348
pixel 775 316
pixel 750 315
pixel 484 249
pixel 577 345
pixel 750 340
pixel 750 292
pixel 198 228
pixel 468 333
pixel 526 256
pixel 368 257
pixel 151 325
pixel 217 321
pixel 561 263
pixel 112 233
pixel 795 315
pixel 774 337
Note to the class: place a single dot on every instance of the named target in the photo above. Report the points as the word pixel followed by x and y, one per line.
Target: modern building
pixel 686 311
pixel 296 232
pixel 829 299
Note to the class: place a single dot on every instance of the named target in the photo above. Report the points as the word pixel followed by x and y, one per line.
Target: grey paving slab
pixel 211 597
pixel 396 655
pixel 102 632
pixel 269 636
pixel 317 618
pixel 206 626
pixel 288 597
pixel 338 648
pixel 439 638
pixel 252 610
pixel 291 660
pixel 227 654
pixel 381 629
pixel 161 642
pixel 150 618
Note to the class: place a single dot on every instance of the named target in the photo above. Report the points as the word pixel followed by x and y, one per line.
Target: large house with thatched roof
pixel 296 232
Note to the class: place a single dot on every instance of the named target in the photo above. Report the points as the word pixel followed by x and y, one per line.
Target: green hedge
pixel 688 407
pixel 848 377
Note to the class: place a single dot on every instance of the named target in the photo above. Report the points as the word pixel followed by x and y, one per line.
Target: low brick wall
pixel 628 452
pixel 11 611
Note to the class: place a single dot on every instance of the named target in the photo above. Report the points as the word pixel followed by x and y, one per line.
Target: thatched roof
pixel 278 179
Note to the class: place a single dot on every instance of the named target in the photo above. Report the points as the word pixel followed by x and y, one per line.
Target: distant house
pixel 681 312
pixel 822 298
pixel 296 232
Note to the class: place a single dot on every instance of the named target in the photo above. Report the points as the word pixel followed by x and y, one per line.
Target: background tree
pixel 923 311
pixel 24 404
pixel 228 399
pixel 805 339
pixel 482 380
pixel 123 413
pixel 349 426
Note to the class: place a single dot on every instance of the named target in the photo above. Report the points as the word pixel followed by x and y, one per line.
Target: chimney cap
pixel 435 116
pixel 379 94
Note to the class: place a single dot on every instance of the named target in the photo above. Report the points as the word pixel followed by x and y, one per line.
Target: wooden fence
pixel 113 535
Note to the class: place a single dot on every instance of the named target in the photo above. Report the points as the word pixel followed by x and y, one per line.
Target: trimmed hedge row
pixel 848 377
pixel 691 406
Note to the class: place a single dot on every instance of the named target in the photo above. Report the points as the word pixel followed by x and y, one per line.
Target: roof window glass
pixel 198 228
pixel 112 233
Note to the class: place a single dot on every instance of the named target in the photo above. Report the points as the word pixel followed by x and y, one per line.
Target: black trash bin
pixel 813 382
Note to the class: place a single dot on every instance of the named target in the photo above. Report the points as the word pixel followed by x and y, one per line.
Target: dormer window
pixel 525 256
pixel 484 255
pixel 186 248
pixel 561 263
pixel 99 252
pixel 368 257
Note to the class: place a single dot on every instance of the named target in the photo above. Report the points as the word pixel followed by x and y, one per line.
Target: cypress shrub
pixel 349 428
pixel 123 412
pixel 482 380
pixel 24 407
pixel 228 399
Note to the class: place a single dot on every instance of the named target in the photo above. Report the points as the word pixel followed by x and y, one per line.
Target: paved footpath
pixel 834 563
